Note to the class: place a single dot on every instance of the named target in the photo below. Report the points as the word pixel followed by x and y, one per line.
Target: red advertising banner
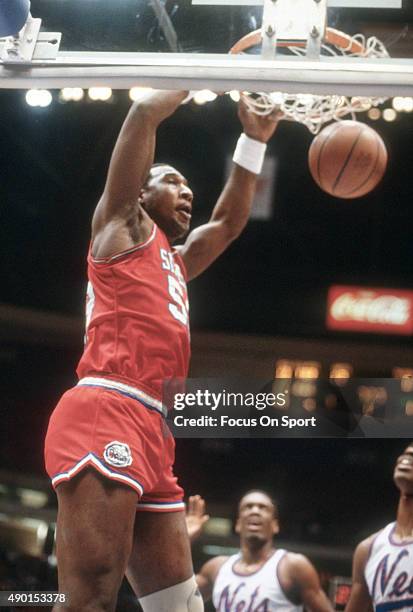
pixel 366 309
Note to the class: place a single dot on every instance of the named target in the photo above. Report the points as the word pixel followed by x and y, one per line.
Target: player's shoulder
pixel 296 568
pixel 211 568
pixel 296 560
pixel 367 542
pixel 362 553
pixel 363 548
pixel 296 573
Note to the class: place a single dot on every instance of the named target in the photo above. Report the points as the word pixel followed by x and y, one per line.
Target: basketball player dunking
pixel 108 450
pixel 383 563
pixel 260 578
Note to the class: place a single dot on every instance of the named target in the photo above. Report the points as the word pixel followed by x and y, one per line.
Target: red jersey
pixel 137 328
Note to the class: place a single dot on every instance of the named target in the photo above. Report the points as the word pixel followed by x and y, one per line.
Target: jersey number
pixel 178 308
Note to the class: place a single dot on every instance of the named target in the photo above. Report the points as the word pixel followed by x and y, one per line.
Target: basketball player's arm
pixel 206 577
pixel 360 600
pixel 304 584
pixel 231 212
pixel 129 166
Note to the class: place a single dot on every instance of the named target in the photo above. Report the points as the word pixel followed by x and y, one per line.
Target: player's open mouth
pixel 405 464
pixel 185 211
pixel 254 525
pixel 184 214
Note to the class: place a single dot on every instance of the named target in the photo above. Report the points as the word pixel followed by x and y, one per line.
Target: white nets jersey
pixel 258 592
pixel 389 572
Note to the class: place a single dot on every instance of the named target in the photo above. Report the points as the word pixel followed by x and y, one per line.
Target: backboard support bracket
pixel 29 44
pixel 295 20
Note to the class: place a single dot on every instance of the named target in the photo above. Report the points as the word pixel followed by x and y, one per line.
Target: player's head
pixel 403 471
pixel 167 199
pixel 257 521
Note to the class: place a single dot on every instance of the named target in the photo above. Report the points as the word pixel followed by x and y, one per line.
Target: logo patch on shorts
pixel 117 454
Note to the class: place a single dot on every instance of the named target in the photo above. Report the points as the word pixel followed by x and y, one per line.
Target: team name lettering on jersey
pixel 179 306
pixel 260 591
pixel 392 582
pixel 232 603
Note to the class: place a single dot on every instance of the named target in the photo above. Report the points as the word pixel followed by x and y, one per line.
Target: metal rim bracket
pixel 300 20
pixel 29 44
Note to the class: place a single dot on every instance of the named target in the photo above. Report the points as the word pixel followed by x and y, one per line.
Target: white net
pixel 315 110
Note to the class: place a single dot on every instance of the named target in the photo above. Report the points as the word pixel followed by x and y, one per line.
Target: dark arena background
pixel 262 310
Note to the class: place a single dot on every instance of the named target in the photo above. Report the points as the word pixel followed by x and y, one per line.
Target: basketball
pixel 347 159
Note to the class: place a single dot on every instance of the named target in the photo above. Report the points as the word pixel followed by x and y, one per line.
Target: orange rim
pixel 333 37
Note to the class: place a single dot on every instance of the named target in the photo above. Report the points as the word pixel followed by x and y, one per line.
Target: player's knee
pixel 182 597
pixel 100 576
pixel 93 590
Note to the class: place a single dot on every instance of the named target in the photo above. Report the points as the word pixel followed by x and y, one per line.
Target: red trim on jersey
pixel 160 506
pixel 92 461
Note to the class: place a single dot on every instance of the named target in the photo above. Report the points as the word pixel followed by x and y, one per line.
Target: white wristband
pixel 189 97
pixel 249 154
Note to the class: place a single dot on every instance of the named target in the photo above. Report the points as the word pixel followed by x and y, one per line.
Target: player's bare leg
pixel 94 540
pixel 161 558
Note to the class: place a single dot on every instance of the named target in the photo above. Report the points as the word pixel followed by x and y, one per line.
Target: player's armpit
pixel 206 577
pixel 304 584
pixel 204 586
pixel 203 246
pixel 360 600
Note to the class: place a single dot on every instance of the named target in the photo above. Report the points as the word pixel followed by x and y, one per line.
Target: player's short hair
pixel 267 494
pixel 150 171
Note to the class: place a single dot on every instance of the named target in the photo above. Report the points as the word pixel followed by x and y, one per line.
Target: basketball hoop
pixel 315 110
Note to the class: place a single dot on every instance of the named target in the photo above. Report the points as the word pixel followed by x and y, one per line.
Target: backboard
pixel 179 45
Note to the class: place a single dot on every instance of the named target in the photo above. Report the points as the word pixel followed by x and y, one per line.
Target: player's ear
pixel 237 527
pixel 275 526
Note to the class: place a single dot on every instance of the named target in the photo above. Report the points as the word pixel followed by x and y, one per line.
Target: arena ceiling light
pixel 204 96
pixel 68 94
pixel 137 93
pixel 402 104
pixel 408 105
pixel 374 114
pixel 39 97
pixel 102 94
pixel 234 95
pixel 389 114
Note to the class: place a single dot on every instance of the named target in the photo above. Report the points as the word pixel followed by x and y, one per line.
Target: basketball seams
pixel 372 171
pixel 347 160
pixel 320 152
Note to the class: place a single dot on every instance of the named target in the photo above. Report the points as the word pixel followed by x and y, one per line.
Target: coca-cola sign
pixel 387 311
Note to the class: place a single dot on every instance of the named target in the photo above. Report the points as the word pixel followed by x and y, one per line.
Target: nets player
pixel 383 563
pixel 260 577
pixel 108 450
